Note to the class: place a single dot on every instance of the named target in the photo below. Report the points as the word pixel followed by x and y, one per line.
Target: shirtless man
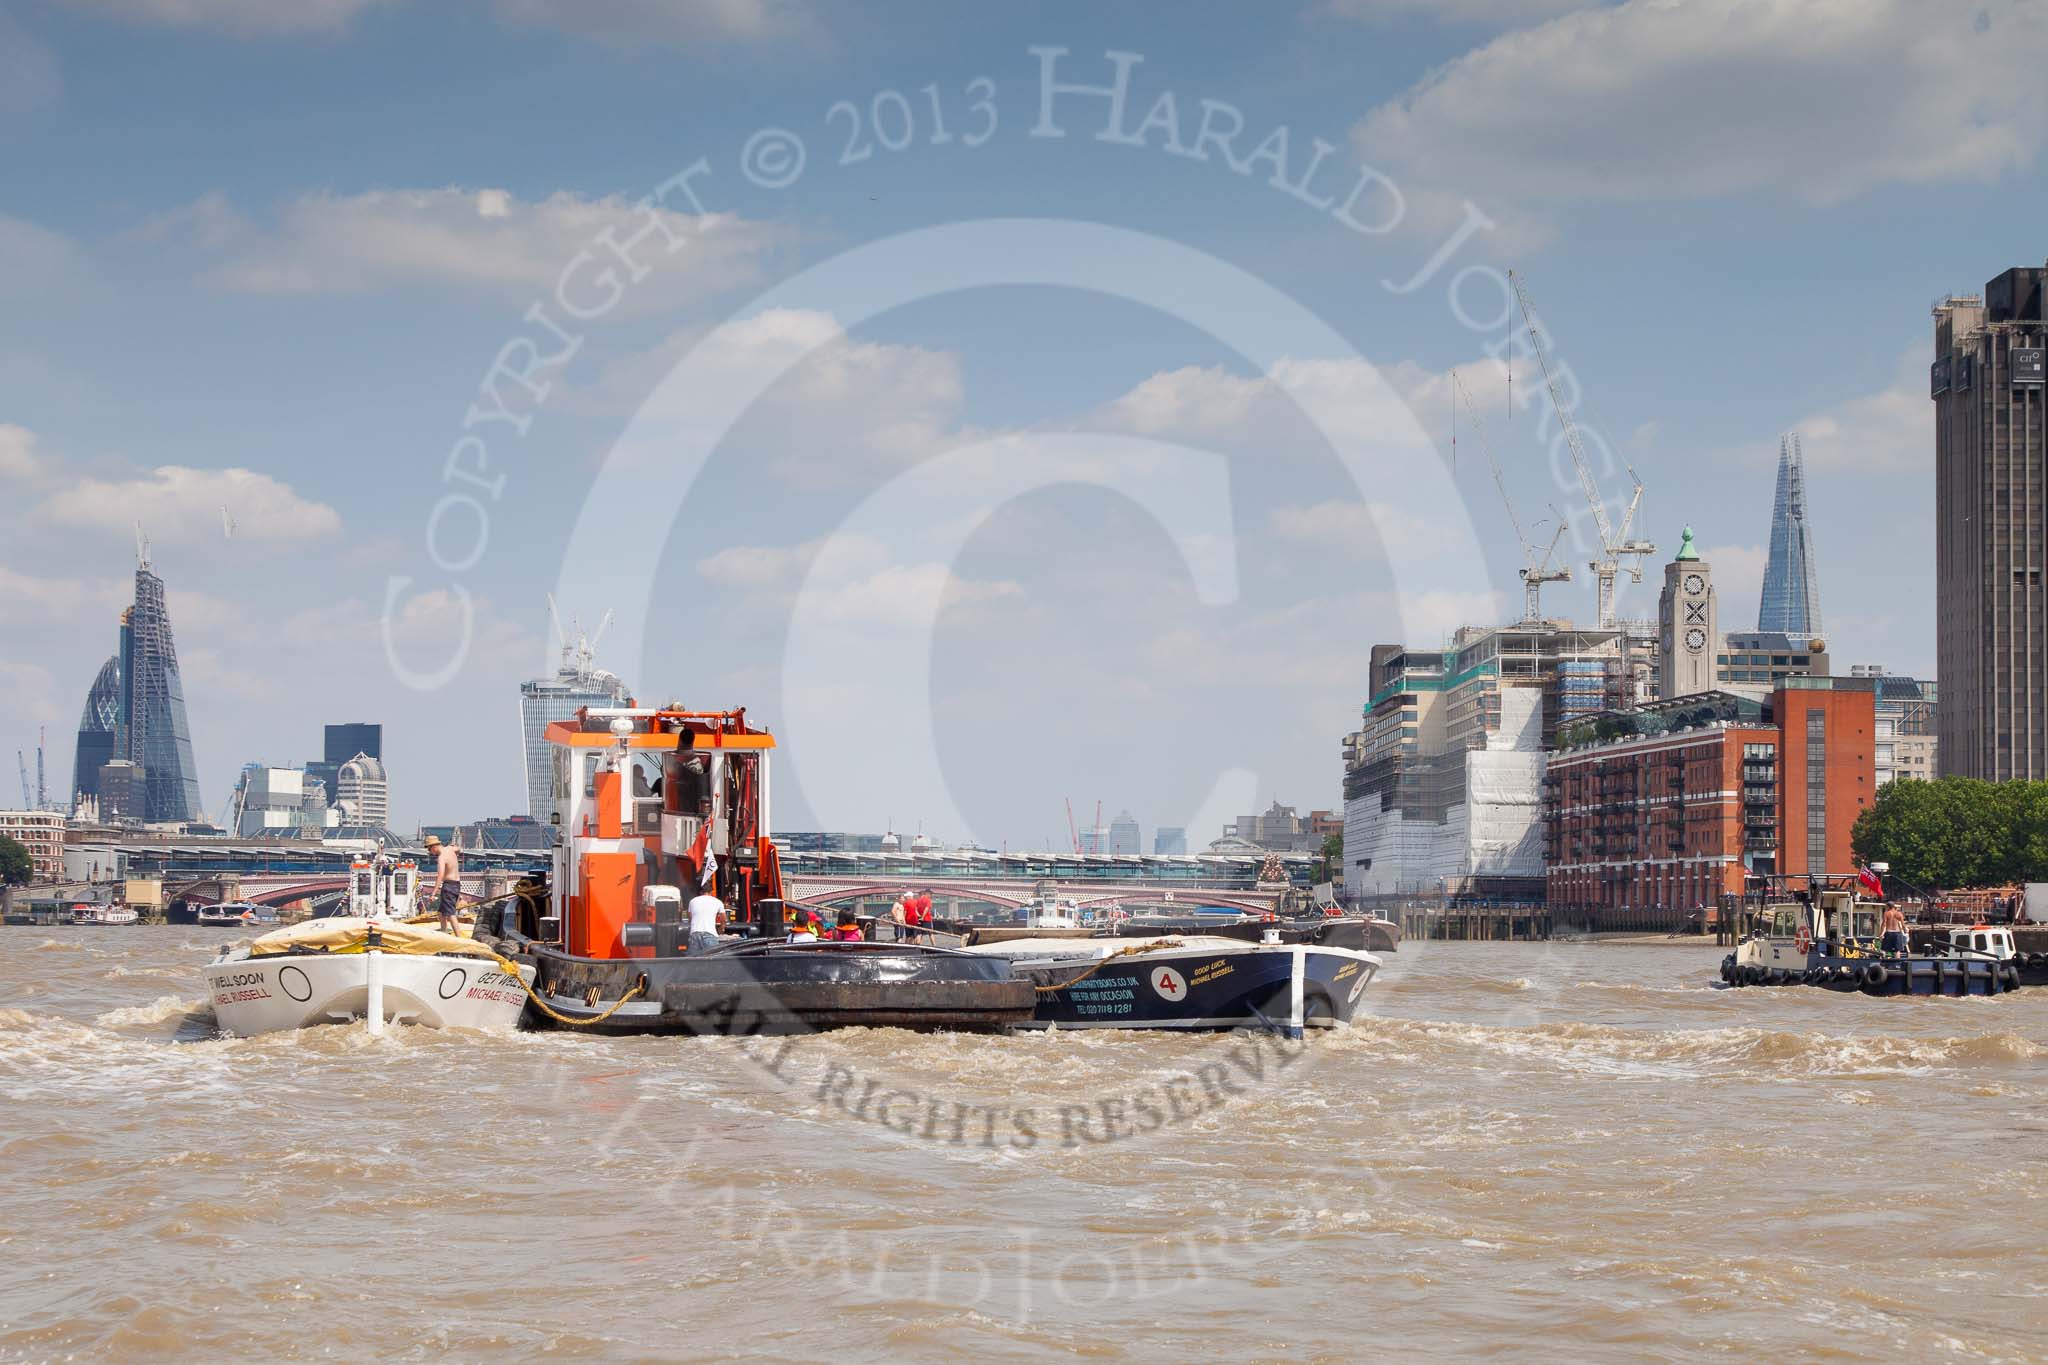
pixel 1894 928
pixel 447 883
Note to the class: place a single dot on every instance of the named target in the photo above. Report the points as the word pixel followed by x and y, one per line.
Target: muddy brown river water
pixel 1547 1150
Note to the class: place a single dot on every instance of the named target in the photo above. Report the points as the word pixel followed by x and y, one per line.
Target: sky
pixel 1008 404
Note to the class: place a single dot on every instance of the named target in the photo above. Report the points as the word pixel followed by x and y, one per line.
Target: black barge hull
pixel 777 988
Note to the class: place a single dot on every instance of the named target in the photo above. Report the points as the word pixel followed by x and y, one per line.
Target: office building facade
pixel 41 832
pixel 1653 815
pixel 362 794
pixel 1169 841
pixel 1443 784
pixel 340 743
pixel 1988 380
pixel 544 700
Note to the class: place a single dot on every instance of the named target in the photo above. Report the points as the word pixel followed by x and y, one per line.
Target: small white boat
pixel 228 915
pixel 103 915
pixel 370 964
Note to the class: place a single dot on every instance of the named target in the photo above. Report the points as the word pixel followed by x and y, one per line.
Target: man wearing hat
pixel 447 883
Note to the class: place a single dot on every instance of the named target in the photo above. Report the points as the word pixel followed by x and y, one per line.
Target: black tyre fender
pixel 1873 976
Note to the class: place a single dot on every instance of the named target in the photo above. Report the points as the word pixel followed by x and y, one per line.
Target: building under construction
pixel 1443 784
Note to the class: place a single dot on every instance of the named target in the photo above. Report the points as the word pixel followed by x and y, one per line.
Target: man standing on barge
pixel 447 883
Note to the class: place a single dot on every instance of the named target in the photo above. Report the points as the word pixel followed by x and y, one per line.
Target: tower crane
pixel 1536 570
pixel 1614 545
pixel 28 796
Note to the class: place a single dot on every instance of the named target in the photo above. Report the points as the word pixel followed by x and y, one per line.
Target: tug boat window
pixel 1785 921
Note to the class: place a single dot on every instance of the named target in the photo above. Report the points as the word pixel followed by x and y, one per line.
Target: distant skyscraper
pixel 1791 598
pixel 1169 840
pixel 362 793
pixel 142 694
pixel 1988 382
pixel 344 742
pixel 98 731
pixel 1124 834
pixel 575 685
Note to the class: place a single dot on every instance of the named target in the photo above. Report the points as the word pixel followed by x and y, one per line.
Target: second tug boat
pixel 654 803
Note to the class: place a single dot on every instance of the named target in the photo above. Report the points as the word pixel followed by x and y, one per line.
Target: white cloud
pixel 896 596
pixel 33 259
pixel 842 409
pixel 26 597
pixel 1889 432
pixel 683 23
pixel 1497 12
pixel 489 239
pixel 177 503
pixel 30 78
pixel 19 462
pixel 1738 582
pixel 243 18
pixel 1348 527
pixel 678 22
pixel 1652 99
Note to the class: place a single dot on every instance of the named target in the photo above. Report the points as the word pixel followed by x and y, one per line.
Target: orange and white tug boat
pixel 657 806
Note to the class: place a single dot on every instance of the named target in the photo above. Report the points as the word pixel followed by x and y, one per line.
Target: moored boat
pixel 655 805
pixel 103 916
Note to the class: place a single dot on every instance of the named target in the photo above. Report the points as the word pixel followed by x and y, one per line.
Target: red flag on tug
pixel 1871 881
pixel 702 856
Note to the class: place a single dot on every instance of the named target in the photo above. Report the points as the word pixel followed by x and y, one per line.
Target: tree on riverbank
pixel 1958 832
pixel 16 867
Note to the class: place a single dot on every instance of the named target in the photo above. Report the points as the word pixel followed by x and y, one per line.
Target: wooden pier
pixel 1502 924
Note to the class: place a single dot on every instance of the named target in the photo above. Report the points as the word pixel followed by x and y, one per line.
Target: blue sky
pixel 263 255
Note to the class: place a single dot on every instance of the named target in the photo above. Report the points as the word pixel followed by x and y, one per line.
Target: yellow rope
pixel 639 988
pixel 1121 952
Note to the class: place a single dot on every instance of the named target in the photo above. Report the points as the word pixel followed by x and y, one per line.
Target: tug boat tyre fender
pixel 1873 977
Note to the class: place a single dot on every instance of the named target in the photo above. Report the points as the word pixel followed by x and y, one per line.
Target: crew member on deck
pixel 706 911
pixel 1894 941
pixel 447 883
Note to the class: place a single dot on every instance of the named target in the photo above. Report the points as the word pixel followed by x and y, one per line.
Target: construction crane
pixel 1536 570
pixel 28 797
pixel 42 791
pixel 1614 545
pixel 1073 835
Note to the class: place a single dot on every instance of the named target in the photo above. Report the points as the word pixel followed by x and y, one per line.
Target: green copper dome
pixel 1685 549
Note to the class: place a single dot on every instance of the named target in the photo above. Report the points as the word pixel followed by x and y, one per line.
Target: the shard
pixel 1791 597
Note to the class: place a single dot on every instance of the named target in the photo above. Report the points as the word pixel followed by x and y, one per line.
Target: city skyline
pixel 271 274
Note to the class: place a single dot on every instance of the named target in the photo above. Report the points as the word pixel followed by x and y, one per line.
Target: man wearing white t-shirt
pixel 707 917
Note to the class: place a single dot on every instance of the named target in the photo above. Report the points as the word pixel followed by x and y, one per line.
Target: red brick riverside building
pixel 1652 813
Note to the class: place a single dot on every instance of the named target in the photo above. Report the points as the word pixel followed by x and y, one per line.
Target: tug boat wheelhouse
pixel 653 803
